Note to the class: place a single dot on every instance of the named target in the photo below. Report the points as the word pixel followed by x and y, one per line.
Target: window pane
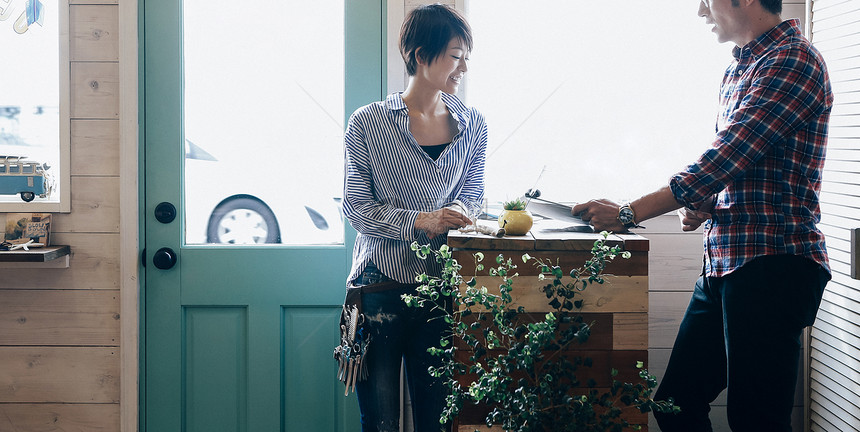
pixel 263 121
pixel 610 97
pixel 29 100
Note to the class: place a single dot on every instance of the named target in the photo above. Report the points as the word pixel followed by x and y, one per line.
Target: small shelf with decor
pixel 56 256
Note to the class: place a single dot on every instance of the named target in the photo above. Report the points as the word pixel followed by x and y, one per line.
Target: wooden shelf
pixel 41 257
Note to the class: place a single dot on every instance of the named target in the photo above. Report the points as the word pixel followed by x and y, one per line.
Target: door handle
pixel 164 258
pixel 165 212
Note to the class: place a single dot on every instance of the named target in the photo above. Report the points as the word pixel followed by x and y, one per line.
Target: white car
pixel 248 200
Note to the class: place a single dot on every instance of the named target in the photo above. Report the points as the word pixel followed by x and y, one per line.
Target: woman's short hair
pixel 426 32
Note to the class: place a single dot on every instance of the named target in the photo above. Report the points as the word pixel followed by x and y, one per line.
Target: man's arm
pixel 603 214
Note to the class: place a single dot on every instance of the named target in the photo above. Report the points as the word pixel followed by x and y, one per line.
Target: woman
pixel 414 169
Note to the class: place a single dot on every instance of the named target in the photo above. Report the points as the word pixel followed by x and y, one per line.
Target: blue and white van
pixel 27 178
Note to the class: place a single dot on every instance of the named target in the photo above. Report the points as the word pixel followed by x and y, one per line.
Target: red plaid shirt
pixel 765 164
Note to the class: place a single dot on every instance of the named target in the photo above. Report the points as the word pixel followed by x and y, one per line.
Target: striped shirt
pixel 389 179
pixel 765 164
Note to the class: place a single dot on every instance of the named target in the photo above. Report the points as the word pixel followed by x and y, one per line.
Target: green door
pixel 239 337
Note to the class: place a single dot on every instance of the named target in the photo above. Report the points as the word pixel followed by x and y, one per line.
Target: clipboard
pixel 559 215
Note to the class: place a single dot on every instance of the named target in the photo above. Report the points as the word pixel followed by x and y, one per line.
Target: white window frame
pixel 64 204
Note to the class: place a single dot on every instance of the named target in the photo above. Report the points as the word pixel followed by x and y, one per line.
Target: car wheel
pixel 243 221
pixel 28 196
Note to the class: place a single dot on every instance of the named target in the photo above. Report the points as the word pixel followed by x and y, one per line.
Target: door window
pixel 264 102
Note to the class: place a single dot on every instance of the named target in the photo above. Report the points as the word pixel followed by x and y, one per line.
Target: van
pixel 27 178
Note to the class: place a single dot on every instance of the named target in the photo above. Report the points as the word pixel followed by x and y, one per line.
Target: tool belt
pixel 355 334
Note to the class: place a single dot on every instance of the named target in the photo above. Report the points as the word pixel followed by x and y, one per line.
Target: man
pixel 756 191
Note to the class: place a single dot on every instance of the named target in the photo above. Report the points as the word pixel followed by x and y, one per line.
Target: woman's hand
pixel 440 221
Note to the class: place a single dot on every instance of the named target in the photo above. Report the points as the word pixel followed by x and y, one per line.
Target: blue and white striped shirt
pixel 389 180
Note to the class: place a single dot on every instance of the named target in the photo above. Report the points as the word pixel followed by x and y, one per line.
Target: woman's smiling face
pixel 447 70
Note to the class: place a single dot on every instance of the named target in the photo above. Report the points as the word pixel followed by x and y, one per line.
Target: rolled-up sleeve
pixel 785 92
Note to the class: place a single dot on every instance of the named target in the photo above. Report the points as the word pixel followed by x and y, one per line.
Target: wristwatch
pixel 627 217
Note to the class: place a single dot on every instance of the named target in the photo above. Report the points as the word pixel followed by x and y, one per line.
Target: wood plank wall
pixel 834 381
pixel 60 328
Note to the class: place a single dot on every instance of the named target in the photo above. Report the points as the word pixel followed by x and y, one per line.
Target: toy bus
pixel 27 178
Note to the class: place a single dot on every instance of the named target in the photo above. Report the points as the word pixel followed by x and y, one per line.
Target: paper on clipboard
pixel 560 216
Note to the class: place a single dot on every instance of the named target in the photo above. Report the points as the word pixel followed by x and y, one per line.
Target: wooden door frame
pixel 130 217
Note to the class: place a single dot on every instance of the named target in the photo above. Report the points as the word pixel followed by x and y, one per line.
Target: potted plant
pixel 515 219
pixel 518 367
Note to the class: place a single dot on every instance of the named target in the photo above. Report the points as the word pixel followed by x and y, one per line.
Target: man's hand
pixel 691 219
pixel 602 214
pixel 440 221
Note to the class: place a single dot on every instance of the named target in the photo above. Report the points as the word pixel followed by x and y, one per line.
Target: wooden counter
pixel 618 308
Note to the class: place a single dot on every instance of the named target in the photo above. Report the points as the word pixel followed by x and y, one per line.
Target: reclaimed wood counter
pixel 618 308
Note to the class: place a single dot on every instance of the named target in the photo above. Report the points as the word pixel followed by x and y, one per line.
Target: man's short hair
pixel 772 6
pixel 426 32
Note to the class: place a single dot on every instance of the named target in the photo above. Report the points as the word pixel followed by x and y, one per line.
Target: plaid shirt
pixel 763 170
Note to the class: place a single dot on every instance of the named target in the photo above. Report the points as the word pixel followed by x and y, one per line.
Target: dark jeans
pixel 742 332
pixel 400 332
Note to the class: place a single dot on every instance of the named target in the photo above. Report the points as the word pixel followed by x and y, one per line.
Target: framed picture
pixel 24 227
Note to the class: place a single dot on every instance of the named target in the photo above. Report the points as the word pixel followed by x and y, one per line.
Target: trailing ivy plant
pixel 523 369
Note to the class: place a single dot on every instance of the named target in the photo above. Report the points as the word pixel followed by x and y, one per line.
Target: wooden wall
pixel 60 328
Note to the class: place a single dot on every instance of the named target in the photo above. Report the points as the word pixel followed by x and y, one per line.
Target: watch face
pixel 625 215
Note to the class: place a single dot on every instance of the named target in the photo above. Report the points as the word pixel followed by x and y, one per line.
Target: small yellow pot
pixel 516 222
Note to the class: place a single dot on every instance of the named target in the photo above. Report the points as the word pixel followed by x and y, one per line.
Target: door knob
pixel 165 212
pixel 164 258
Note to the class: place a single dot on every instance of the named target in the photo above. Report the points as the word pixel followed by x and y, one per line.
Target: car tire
pixel 28 196
pixel 243 221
